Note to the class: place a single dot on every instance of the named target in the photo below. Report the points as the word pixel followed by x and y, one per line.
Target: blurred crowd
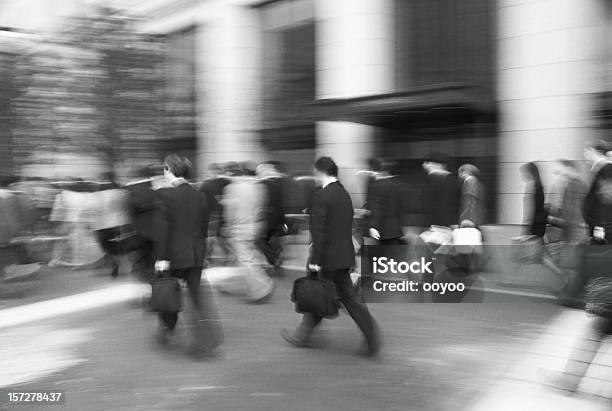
pixel 250 208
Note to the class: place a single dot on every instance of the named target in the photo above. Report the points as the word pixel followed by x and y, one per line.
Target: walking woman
pixel 534 211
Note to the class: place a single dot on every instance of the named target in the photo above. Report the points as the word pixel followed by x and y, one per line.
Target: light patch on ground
pixel 31 353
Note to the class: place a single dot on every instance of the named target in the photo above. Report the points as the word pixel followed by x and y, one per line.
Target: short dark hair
pixel 326 166
pixel 177 165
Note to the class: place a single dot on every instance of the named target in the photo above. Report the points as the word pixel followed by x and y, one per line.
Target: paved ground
pixel 436 357
pixel 96 345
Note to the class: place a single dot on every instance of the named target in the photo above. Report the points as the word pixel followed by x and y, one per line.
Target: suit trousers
pixel 192 277
pixel 352 301
pixel 269 245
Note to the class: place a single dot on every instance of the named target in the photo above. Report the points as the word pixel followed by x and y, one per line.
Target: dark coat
pixel 597 207
pixel 213 188
pixel 386 208
pixel 182 226
pixel 331 227
pixel 142 199
pixel 536 215
pixel 442 199
pixel 275 216
pixel 472 201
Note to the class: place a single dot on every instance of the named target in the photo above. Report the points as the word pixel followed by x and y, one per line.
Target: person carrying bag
pixel 332 256
pixel 315 295
pixel 165 293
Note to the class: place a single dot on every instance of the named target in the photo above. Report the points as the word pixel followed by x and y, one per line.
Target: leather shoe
pixel 292 339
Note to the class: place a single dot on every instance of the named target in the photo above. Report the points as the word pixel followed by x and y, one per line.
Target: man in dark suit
pixel 268 241
pixel 333 255
pixel 182 227
pixel 386 207
pixel 442 193
pixel 597 208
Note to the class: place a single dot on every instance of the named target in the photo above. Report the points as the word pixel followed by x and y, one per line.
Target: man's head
pixel 597 151
pixel 176 166
pixel 467 170
pixel 325 170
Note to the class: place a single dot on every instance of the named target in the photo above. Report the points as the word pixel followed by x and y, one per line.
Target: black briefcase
pixel 165 294
pixel 315 295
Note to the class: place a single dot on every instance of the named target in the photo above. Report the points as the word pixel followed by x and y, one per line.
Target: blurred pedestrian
pixel 442 192
pixel 180 247
pixel 244 201
pixel 597 206
pixel 565 211
pixel 332 255
pixel 364 215
pixel 472 196
pixel 76 210
pixel 386 206
pixel 142 200
pixel 213 187
pixel 112 221
pixel 275 225
pixel 534 209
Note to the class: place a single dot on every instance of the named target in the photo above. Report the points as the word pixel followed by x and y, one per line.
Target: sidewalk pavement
pixel 526 386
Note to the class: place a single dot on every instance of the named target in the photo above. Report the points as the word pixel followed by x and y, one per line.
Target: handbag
pixel 315 295
pixel 598 297
pixel 165 294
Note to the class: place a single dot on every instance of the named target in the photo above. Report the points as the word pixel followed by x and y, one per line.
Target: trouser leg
pixel 192 277
pixel 208 331
pixel 307 326
pixel 357 310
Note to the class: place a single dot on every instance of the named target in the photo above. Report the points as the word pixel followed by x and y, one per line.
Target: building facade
pixel 496 83
pixel 493 83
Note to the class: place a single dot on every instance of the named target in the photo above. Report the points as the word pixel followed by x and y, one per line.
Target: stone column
pixel 355 46
pixel 549 62
pixel 229 84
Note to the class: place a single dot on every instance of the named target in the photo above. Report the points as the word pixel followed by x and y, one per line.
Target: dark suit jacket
pixel 142 200
pixel 443 194
pixel 533 204
pixel 213 188
pixel 597 207
pixel 182 226
pixel 386 208
pixel 274 202
pixel 331 225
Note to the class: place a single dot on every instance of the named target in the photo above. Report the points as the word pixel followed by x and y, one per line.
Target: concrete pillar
pixel 350 145
pixel 355 46
pixel 229 85
pixel 549 63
